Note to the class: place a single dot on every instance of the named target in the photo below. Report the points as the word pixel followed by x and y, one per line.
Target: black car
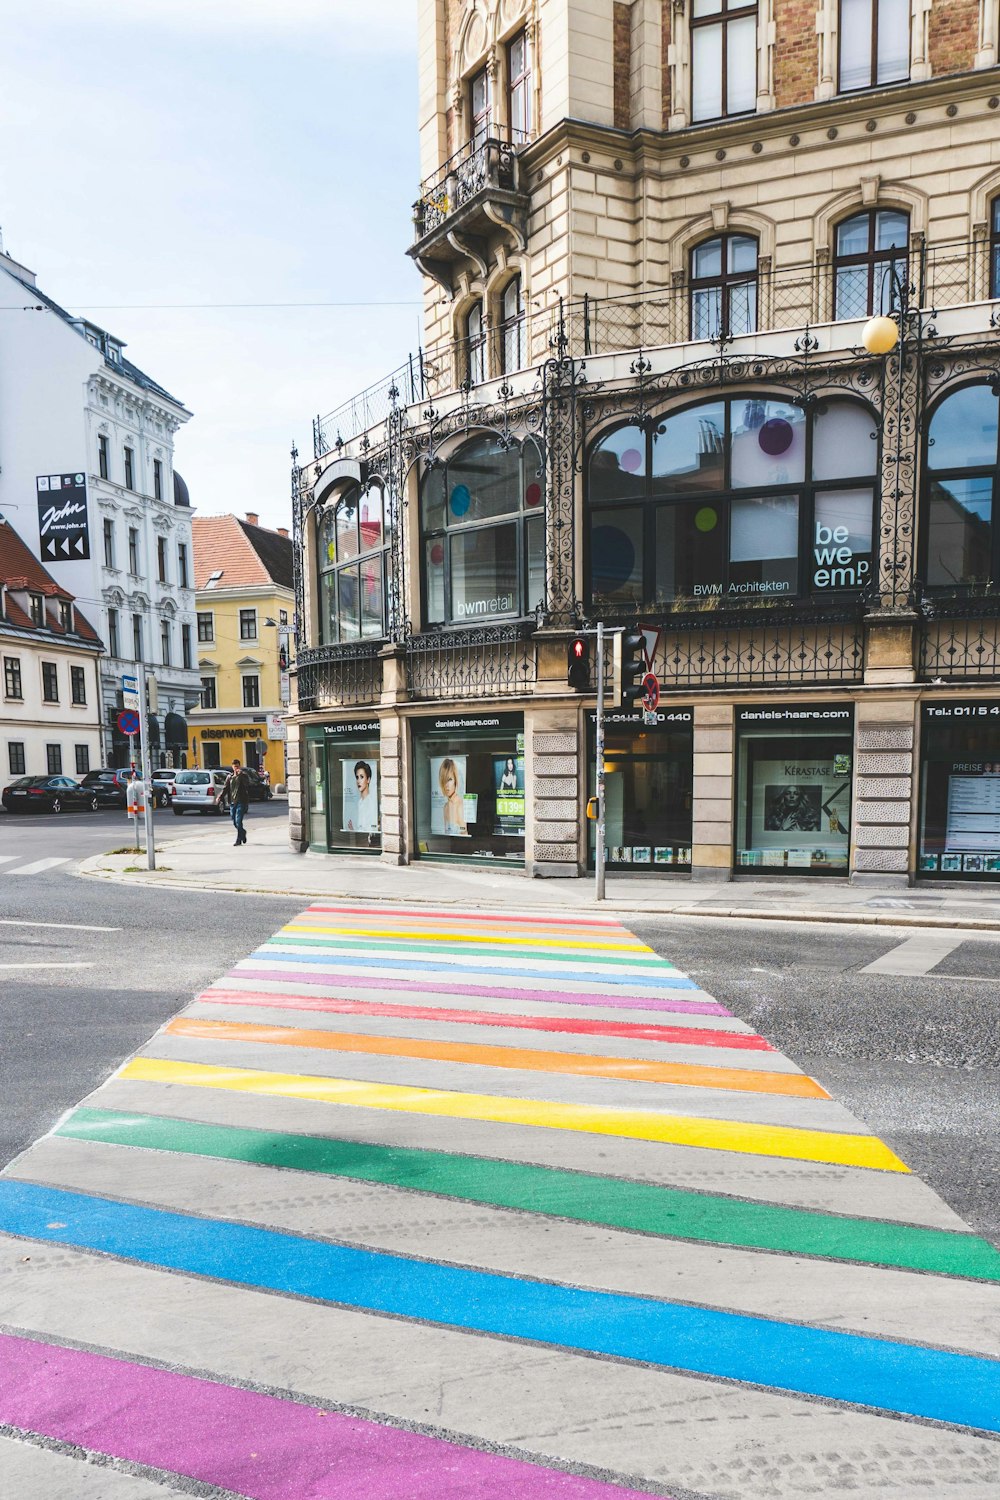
pixel 48 794
pixel 108 786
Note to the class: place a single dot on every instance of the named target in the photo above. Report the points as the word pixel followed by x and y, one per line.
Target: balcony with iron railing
pixel 476 193
pixel 779 300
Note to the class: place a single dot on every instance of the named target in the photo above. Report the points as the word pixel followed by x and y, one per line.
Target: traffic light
pixel 578 663
pixel 633 668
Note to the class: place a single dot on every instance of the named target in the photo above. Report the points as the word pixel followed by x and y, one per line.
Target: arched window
pixel 474 346
pixel 724 286
pixel 871 254
pixel 483 533
pixel 995 248
pixel 729 499
pixel 959 548
pixel 512 327
pixel 352 540
pixel 874 43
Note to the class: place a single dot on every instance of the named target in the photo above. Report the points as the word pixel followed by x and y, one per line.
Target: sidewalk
pixel 267 866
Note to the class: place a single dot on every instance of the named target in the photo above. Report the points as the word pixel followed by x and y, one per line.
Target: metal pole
pixel 599 851
pixel 146 778
pixel 131 766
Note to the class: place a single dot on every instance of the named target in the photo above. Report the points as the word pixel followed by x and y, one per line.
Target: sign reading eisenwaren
pixel 62 517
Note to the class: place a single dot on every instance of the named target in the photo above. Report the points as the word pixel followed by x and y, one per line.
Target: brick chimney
pixel 282 530
pixel 253 518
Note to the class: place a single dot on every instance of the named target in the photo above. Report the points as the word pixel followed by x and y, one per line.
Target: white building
pixel 50 694
pixel 87 477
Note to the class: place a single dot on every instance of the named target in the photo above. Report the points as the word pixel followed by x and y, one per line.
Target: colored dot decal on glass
pixel 706 519
pixel 614 558
pixel 775 437
pixel 533 495
pixel 631 460
pixel 437 554
pixel 460 500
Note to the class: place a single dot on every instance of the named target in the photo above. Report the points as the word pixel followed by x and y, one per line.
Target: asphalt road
pixel 915 1056
pixel 88 970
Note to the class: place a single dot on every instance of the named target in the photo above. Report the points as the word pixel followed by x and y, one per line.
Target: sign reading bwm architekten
pixel 62 517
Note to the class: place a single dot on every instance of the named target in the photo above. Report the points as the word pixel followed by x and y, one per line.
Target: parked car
pixel 53 794
pixel 198 791
pixel 260 786
pixel 163 781
pixel 108 786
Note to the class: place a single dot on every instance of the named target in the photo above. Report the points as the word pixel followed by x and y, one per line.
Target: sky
pixel 164 152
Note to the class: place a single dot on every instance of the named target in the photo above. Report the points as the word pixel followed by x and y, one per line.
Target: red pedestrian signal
pixel 578 664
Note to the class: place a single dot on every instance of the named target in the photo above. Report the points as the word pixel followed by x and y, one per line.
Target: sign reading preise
pixel 63 530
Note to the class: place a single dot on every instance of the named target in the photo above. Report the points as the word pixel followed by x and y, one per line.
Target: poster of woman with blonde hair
pixel 448 775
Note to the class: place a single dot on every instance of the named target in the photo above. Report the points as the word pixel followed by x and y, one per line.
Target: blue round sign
pixel 128 721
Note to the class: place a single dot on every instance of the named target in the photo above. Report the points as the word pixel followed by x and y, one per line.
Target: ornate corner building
pixel 653 237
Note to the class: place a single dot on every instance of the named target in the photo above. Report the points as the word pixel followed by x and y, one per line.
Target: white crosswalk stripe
pixel 38 867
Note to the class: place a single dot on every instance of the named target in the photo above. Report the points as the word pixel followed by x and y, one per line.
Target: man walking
pixel 237 791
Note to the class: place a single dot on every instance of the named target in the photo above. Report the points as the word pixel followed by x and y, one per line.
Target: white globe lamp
pixel 880 335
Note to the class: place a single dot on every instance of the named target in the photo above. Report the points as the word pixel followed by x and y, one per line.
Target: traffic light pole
pixel 599 847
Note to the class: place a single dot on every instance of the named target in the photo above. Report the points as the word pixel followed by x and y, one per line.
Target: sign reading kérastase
pixel 63 532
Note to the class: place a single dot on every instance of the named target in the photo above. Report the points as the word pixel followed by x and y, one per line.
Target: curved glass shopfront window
pixel 959 549
pixel 351 546
pixel 749 496
pixel 483 534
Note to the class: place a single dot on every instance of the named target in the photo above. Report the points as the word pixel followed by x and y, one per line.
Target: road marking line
pixel 911 1379
pixel 831 1147
pixel 916 955
pixel 38 867
pixel 46 966
pixel 62 926
pixel 521 1059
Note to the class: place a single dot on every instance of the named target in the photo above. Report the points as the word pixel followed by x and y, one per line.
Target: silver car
pixel 198 791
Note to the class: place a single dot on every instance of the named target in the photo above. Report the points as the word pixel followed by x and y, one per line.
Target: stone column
pixel 555 777
pixel 884 791
pixel 295 750
pixel 393 790
pixel 714 791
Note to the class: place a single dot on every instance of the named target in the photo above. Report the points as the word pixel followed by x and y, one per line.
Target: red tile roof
pixel 245 553
pixel 22 572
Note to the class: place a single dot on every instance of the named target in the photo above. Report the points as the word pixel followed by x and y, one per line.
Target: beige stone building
pixel 652 237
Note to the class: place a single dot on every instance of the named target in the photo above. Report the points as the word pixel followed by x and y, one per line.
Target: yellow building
pixel 245 601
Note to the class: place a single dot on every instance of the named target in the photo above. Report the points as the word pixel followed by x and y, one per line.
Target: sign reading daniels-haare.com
pixel 63 532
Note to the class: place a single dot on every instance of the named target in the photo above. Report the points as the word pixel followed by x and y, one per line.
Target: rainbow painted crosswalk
pixel 417 1204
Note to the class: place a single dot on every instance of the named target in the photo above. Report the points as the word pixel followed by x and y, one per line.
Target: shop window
pixel 870 260
pixel 723 58
pixel 512 327
pixel 474 346
pixel 730 499
pixel 794 789
pixel 343 786
pixel 352 563
pixel 960 790
pixel 724 287
pixel 995 248
pixel 874 43
pixel 959 549
pixel 211 755
pixel 469 787
pixel 483 534
pixel 647 791
pixel 519 89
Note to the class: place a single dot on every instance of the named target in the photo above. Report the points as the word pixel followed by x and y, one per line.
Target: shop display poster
pixel 508 786
pixel 450 805
pixel 973 814
pixel 359 779
pixel 799 797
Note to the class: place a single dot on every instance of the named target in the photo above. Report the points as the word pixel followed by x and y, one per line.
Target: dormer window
pixel 36 608
pixel 65 614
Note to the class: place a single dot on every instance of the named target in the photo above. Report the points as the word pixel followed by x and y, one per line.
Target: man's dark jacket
pixel 237 789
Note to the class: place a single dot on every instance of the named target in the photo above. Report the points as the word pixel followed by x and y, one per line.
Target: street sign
pixel 285 687
pixel 650 691
pixel 130 693
pixel 128 721
pixel 650 641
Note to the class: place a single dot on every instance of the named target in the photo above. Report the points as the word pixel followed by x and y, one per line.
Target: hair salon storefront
pixel 959 819
pixel 342 786
pixel 648 774
pixel 468 787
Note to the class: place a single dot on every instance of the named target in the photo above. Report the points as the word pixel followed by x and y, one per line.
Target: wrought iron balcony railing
pixel 339 676
pixel 489 162
pixel 492 661
pixel 960 640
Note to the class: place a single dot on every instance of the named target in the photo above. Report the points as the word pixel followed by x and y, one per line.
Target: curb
pixel 731 913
